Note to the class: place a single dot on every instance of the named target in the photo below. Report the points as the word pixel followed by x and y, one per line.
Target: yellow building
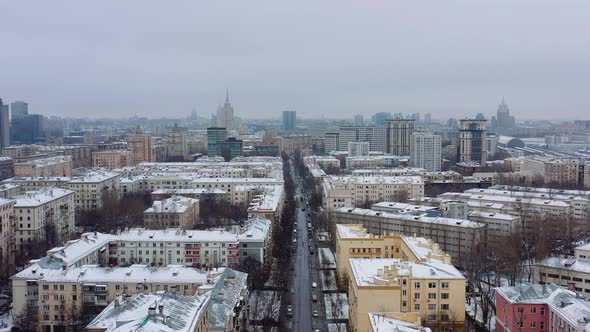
pixel 353 241
pixel 140 145
pixel 433 289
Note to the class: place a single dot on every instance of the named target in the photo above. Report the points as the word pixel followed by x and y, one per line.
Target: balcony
pixel 192 256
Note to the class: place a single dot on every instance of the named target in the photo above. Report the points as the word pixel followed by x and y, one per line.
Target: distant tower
pixel 399 132
pixel 225 114
pixel 480 116
pixel 289 120
pixel 19 109
pixel 425 151
pixel 503 118
pixel 358 120
pixel 473 145
pixel 4 125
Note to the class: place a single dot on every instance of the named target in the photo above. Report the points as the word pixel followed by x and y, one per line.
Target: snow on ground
pixel 328 278
pixel 327 259
pixel 323 236
pixel 265 304
pixel 337 302
pixel 337 327
pixel 6 322
pixel 470 309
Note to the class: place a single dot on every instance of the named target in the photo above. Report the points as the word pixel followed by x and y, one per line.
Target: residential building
pixel 43 215
pixel 6 168
pixel 434 290
pixel 331 142
pixel 7 238
pixel 570 272
pixel 396 322
pixel 375 162
pixel 140 144
pixel 175 212
pixel 229 308
pixel 530 308
pixel 353 241
pixel 399 133
pixel 425 151
pixel 457 237
pixel 177 144
pixel 289 120
pixel 154 312
pixel 473 143
pixel 358 191
pixel 44 167
pixel 94 188
pixel 561 172
pixel 27 129
pixel 376 136
pixel 112 159
pixel 358 149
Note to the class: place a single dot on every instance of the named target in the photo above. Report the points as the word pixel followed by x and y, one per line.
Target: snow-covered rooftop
pixel 152 312
pixel 403 208
pixel 94 176
pixel 39 197
pixel 48 161
pixel 387 271
pixel 174 204
pixel 493 215
pixel 422 219
pixel 503 199
pixel 225 296
pixel 396 322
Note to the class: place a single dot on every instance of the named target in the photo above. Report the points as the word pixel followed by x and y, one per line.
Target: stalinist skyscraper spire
pixel 225 114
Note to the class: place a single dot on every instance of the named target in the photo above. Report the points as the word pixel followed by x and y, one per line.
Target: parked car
pixel 314 298
pixel 314 285
pixel 289 310
pixel 315 313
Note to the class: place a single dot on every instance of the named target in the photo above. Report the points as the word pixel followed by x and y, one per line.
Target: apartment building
pixel 357 191
pixel 554 171
pixel 50 166
pixel 353 241
pixel 141 146
pixel 570 272
pixel 530 308
pixel 457 237
pixel 473 143
pixel 154 312
pixel 43 215
pixel 434 290
pixel 7 237
pixel 6 168
pixel 396 322
pixel 112 159
pixel 425 151
pixel 174 212
pixel 92 186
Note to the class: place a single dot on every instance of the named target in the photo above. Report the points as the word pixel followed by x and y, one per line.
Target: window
pixel 432 285
pixel 542 311
pixel 432 296
pixel 533 325
pixel 444 307
pixel 533 310
pixel 416 307
pixel 542 325
pixel 416 296
pixel 404 292
pixel 404 304
pixel 431 307
pixel 520 310
pixel 444 296
pixel 417 285
pixel 444 285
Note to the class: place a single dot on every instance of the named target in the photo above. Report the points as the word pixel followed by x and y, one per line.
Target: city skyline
pixel 407 58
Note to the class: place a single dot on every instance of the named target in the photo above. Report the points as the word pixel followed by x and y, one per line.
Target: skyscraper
pixel 27 129
pixel 19 109
pixel 473 143
pixel 427 119
pixel 503 118
pixel 215 135
pixel 358 120
pixel 289 120
pixel 399 132
pixel 331 142
pixel 225 114
pixel 4 125
pixel 229 149
pixel 425 151
pixel 177 144
pixel 381 118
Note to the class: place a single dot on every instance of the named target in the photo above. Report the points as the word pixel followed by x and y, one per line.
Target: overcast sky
pixel 332 58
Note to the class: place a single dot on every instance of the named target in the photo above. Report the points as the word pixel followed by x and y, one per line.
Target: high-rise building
pixel 358 120
pixel 398 115
pixel 4 125
pixel 503 118
pixel 215 135
pixel 480 116
pixel 372 134
pixel 177 144
pixel 399 132
pixel 19 109
pixel 229 149
pixel 473 142
pixel 358 149
pixel 140 144
pixel 381 118
pixel 427 119
pixel 27 129
pixel 225 114
pixel 425 151
pixel 331 142
pixel 289 120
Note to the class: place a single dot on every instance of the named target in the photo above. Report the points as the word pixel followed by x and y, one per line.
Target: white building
pixel 358 149
pixel 425 151
pixel 92 185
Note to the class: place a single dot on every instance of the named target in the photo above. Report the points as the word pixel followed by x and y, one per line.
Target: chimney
pixel 151 311
pixel 168 320
pixel 161 309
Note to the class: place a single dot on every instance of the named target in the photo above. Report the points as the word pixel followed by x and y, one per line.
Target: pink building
pixel 536 308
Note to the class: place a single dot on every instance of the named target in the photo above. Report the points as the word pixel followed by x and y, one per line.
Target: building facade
pixel 399 133
pixel 425 151
pixel 473 142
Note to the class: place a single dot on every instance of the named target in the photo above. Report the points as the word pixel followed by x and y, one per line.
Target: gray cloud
pixel 335 58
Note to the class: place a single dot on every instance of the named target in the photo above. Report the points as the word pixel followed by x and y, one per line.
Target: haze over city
pixel 332 58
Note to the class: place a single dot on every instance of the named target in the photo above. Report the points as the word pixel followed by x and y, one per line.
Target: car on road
pixel 314 298
pixel 315 313
pixel 314 285
pixel 303 209
pixel 289 310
